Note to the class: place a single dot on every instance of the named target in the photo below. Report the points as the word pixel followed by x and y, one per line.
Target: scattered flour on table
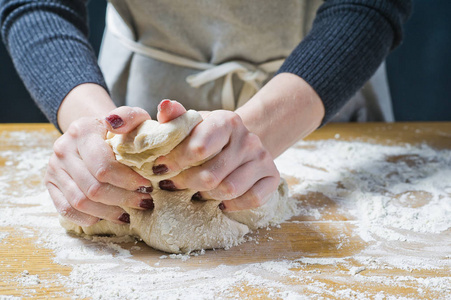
pixel 394 195
pixel 387 188
pixel 25 279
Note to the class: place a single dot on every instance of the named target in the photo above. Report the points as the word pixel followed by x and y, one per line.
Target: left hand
pixel 239 170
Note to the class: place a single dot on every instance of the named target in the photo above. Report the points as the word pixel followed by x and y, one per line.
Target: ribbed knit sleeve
pixel 36 34
pixel 348 41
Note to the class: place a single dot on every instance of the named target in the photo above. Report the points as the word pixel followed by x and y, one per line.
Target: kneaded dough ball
pixel 179 224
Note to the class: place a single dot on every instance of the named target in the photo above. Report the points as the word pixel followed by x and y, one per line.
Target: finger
pixel 258 195
pixel 99 159
pixel 103 192
pixel 210 174
pixel 169 110
pixel 87 136
pixel 206 140
pixel 66 210
pixel 243 179
pixel 240 150
pixel 81 203
pixel 124 119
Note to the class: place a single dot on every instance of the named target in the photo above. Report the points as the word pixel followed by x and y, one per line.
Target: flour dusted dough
pixel 178 224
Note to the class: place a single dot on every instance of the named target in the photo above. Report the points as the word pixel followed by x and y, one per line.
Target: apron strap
pixel 252 76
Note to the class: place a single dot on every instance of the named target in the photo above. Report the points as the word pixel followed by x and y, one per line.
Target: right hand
pixel 85 181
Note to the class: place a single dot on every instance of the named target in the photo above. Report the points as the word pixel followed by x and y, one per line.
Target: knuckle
pixel 94 191
pixel 102 173
pixel 65 210
pixel 59 148
pixel 229 189
pixel 83 126
pixel 79 203
pixel 75 129
pixel 209 179
pixel 199 151
pixel 235 119
pixel 263 155
pixel 254 200
pixel 253 140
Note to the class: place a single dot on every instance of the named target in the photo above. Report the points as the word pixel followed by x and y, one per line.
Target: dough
pixel 178 224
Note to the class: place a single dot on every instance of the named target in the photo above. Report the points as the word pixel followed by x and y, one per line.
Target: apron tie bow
pixel 252 76
pixel 252 79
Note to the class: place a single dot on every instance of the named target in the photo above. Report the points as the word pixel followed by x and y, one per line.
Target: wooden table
pixel 320 238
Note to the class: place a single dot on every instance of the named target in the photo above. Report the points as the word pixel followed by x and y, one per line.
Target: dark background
pixel 419 71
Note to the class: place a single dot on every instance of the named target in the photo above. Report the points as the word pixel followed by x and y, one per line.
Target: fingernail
pixel 160 169
pixel 145 189
pixel 147 204
pixel 163 103
pixel 167 185
pixel 125 217
pixel 197 197
pixel 221 206
pixel 115 121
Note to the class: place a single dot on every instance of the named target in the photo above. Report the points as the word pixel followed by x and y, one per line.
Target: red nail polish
pixel 147 204
pixel 167 185
pixel 125 217
pixel 145 189
pixel 221 206
pixel 197 197
pixel 160 169
pixel 115 121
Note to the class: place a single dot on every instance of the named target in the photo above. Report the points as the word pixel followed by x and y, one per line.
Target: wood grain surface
pixel 301 237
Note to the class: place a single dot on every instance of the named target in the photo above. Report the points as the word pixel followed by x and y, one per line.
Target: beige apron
pixel 212 54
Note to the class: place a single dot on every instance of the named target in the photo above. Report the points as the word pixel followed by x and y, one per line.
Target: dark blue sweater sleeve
pixel 348 41
pixel 48 43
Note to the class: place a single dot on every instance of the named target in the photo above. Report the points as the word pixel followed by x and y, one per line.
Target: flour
pixel 397 198
pixel 377 184
pixel 25 279
pixel 356 270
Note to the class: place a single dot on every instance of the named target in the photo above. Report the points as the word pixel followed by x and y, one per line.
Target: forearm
pixel 284 111
pixel 48 43
pixel 347 43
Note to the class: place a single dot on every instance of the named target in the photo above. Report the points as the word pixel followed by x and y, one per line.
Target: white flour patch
pixel 26 279
pixel 390 190
pixel 397 197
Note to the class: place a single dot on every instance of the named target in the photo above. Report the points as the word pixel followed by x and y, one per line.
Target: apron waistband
pixel 252 79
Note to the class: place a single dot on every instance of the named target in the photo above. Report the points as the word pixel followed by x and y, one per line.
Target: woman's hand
pixel 237 170
pixel 84 179
pixel 240 146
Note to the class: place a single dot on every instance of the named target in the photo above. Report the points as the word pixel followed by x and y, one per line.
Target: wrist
pixel 284 111
pixel 85 100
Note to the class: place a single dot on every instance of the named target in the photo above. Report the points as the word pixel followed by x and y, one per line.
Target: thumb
pixel 169 110
pixel 125 118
